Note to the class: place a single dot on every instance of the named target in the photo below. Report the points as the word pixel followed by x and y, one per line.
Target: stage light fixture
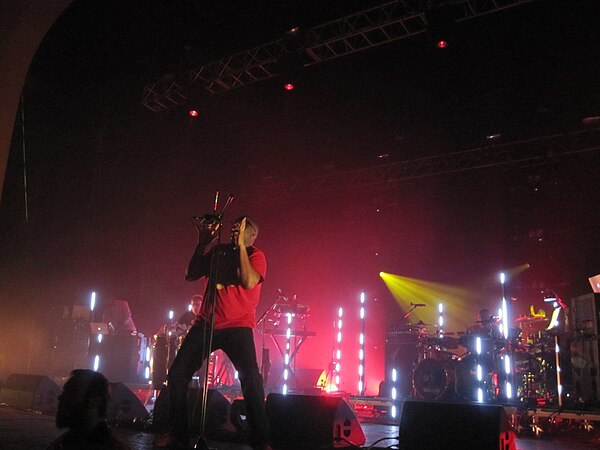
pixel 361 341
pixel 440 25
pixel 193 113
pixel 289 68
pixel 287 357
pixel 332 382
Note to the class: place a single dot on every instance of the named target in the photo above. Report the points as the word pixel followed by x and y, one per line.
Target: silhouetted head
pixel 83 400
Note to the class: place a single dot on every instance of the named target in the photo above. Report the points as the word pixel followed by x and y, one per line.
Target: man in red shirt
pixel 241 271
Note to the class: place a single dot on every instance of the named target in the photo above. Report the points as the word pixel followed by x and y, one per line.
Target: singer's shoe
pixel 169 440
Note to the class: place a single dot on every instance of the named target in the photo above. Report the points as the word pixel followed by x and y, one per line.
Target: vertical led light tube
pixel 508 372
pixel 479 369
pixel 286 361
pixel 394 393
pixel 338 353
pixel 559 385
pixel 92 305
pixel 148 360
pixel 504 306
pixel 361 351
pixel 441 320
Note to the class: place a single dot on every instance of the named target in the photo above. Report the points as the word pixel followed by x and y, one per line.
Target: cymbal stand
pixel 265 363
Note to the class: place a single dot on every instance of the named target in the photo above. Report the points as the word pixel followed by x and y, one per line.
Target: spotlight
pixel 290 67
pixel 440 24
pixel 551 297
pixel 193 113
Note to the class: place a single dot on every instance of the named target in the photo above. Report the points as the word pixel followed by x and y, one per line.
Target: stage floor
pixel 20 430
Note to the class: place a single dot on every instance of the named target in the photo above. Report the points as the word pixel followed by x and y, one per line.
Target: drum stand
pixel 265 359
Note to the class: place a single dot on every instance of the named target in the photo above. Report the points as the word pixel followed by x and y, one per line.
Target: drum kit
pixel 473 365
pixel 166 344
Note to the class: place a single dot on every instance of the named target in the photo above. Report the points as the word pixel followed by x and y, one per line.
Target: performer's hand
pixel 207 232
pixel 238 235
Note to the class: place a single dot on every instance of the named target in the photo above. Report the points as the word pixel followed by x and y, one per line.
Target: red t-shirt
pixel 236 306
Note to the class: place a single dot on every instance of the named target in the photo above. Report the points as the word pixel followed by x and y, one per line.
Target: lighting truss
pixel 537 151
pixel 376 26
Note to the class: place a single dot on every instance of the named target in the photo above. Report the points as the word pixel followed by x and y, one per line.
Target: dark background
pixel 111 186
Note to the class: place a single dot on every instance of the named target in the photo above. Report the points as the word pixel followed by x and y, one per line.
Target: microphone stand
pixel 410 311
pixel 211 296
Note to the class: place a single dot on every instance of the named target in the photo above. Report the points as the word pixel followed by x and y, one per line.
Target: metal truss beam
pixel 538 151
pixel 380 25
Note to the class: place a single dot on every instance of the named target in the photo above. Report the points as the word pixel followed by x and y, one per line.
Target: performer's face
pixel 196 304
pixel 249 232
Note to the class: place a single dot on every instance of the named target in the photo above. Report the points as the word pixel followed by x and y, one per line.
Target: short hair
pixel 95 386
pixel 249 220
pixel 196 297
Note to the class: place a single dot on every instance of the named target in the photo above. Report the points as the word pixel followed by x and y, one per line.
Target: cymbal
pixel 530 319
pixel 413 327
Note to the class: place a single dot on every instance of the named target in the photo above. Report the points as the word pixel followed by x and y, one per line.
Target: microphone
pixel 234 241
pixel 417 304
pixel 207 219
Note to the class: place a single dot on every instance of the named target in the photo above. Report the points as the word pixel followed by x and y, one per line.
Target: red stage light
pixel 193 113
pixel 288 86
pixel 442 44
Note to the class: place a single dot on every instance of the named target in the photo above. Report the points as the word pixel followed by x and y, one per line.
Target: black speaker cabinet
pixel 123 405
pixel 432 425
pixel 312 421
pixel 217 410
pixel 36 392
pixel 119 357
pixel 584 325
pixel 401 352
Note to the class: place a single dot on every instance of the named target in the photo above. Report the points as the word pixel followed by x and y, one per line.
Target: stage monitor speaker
pixel 217 410
pixel 36 392
pixel 307 421
pixel 123 405
pixel 428 425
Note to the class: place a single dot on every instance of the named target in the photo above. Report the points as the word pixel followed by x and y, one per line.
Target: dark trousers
pixel 238 344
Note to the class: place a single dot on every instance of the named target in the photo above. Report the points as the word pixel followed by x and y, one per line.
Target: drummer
pixel 485 326
pixel 187 319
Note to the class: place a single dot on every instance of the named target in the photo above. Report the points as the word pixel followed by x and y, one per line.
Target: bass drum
pixel 430 380
pixel 160 356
